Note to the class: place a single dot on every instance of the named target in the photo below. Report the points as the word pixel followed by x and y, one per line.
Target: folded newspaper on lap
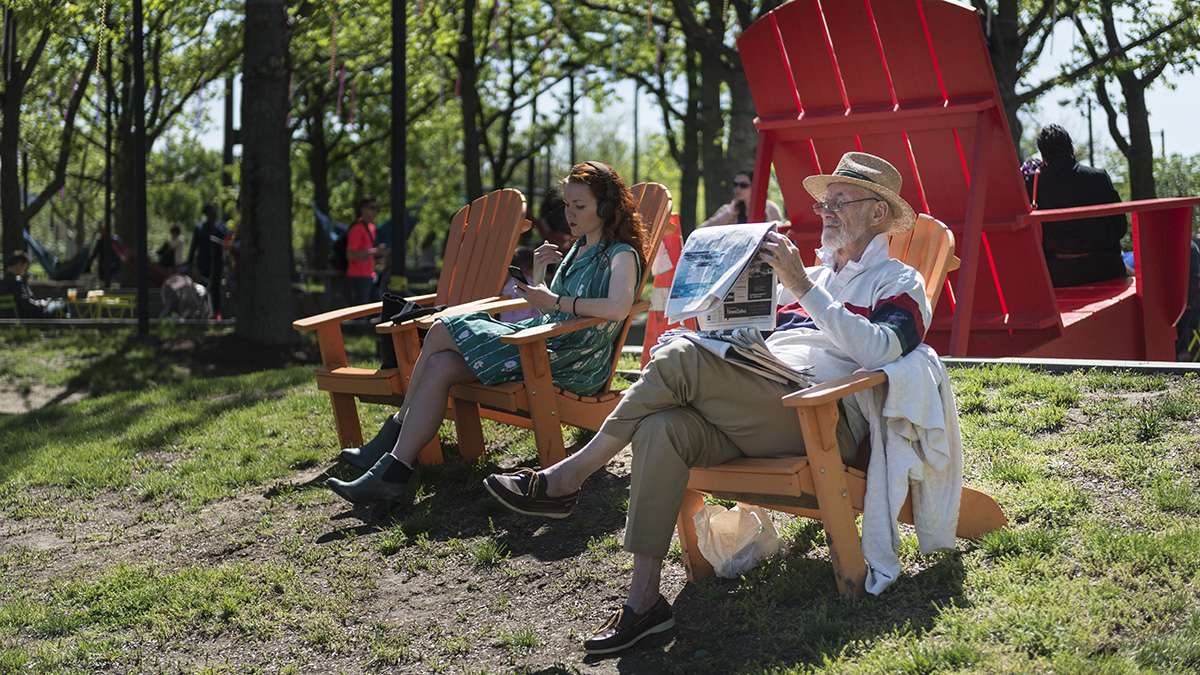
pixel 745 347
pixel 722 282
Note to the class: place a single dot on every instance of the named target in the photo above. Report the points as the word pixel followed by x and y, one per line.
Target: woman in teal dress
pixel 597 277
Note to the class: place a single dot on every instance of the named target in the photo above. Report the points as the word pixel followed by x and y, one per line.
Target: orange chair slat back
pixel 480 246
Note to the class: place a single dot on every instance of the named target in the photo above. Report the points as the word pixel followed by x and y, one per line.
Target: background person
pixel 361 251
pixel 738 210
pixel 206 257
pixel 16 285
pixel 1077 251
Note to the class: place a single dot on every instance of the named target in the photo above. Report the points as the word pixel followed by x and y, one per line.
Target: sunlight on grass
pixel 1096 572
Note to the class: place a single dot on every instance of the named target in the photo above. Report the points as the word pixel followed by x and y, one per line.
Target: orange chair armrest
pixel 426 299
pixel 426 321
pixel 541 333
pixel 388 327
pixel 834 390
pixel 492 306
pixel 562 327
pixel 311 323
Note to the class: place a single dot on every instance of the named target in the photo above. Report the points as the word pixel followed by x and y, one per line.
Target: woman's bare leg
pixel 436 340
pixel 438 368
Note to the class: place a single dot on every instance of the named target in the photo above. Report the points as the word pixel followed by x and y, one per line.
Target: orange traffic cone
pixel 663 268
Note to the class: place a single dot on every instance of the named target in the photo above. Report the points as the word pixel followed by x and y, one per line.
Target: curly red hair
pixel 622 222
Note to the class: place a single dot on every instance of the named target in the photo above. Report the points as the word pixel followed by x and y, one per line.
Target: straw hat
pixel 873 173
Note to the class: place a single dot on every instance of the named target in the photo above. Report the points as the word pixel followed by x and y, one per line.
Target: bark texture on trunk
pixel 264 284
pixel 1140 152
pixel 689 181
pixel 469 98
pixel 318 169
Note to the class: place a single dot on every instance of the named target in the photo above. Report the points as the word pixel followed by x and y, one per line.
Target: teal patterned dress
pixel 579 361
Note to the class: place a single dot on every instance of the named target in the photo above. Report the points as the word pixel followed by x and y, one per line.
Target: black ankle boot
pixel 366 456
pixel 386 481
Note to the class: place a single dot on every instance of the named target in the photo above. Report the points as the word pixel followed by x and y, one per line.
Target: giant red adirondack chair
pixel 911 81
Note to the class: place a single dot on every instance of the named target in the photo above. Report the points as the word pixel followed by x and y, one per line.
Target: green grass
pixel 162 524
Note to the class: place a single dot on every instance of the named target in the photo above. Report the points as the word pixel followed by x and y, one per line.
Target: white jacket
pixel 915 447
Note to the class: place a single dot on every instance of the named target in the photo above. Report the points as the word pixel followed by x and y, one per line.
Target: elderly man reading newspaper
pixel 857 309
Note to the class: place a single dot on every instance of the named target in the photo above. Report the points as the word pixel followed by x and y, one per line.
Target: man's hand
pixel 782 255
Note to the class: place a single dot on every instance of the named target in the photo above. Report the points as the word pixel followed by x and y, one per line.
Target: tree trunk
pixel 469 96
pixel 11 202
pixel 80 228
pixel 318 169
pixel 124 183
pixel 264 283
pixel 689 181
pixel 743 136
pixel 1139 152
pixel 1005 48
pixel 712 132
pixel 10 181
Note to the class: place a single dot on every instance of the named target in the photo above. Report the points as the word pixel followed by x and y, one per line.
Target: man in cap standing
pixel 857 309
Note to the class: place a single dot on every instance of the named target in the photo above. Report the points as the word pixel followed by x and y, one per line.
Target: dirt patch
pixel 17 399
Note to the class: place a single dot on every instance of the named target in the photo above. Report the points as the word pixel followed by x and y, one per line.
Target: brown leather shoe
pixel 625 628
pixel 524 491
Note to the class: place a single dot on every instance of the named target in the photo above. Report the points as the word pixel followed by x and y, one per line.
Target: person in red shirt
pixel 361 251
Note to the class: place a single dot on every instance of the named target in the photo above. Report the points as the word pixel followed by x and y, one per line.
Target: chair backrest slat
pixel 929 249
pixel 454 238
pixel 479 247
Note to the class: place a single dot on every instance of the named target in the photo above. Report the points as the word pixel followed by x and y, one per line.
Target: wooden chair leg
pixel 819 425
pixel 543 406
pixel 695 563
pixel 408 347
pixel 432 452
pixel 345 420
pixel 470 430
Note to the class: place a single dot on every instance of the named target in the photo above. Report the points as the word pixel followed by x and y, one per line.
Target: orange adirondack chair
pixel 818 485
pixel 535 403
pixel 479 246
pixel 911 81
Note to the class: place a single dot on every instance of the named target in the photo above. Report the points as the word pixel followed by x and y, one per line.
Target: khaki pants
pixel 692 408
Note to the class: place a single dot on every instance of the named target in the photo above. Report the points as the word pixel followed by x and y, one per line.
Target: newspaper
pixel 744 347
pixel 721 281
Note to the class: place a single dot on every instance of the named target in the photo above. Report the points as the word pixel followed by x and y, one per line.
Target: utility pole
pixel 106 237
pixel 1091 143
pixel 532 159
pixel 1162 141
pixel 229 140
pixel 571 119
pixel 635 133
pixel 399 197
pixel 139 174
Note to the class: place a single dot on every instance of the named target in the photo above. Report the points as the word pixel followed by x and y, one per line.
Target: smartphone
pixel 516 273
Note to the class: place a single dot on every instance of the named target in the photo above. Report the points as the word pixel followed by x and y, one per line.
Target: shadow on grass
pixel 24 438
pixel 786 614
pixel 452 504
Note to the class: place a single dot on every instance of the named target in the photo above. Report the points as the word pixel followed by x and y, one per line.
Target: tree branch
pixel 1083 70
pixel 65 138
pixel 1110 112
pixel 35 56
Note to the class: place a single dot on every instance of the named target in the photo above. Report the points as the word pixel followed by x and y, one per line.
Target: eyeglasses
pixel 741 184
pixel 837 206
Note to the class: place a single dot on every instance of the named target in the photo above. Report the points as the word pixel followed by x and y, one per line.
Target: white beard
pixel 836 239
